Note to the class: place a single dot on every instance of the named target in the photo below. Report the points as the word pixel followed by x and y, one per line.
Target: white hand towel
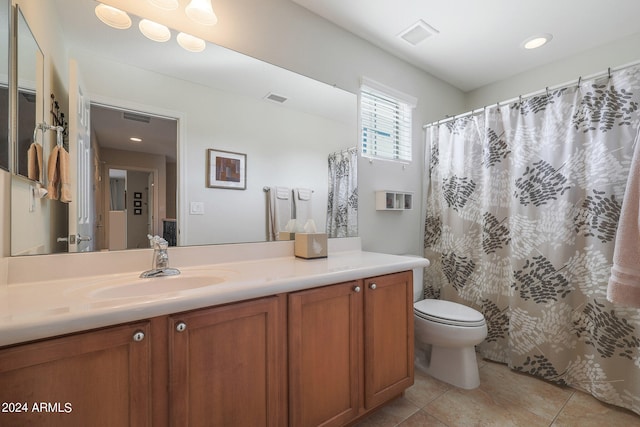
pixel 278 211
pixel 302 206
pixel 624 283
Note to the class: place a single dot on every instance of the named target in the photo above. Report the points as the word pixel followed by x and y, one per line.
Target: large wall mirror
pixel 29 71
pixel 284 127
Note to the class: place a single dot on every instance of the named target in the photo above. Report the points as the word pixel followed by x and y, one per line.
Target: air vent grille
pixel 418 32
pixel 127 115
pixel 276 98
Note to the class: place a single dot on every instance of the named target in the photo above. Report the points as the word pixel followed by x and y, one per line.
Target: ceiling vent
pixel 276 98
pixel 417 33
pixel 127 115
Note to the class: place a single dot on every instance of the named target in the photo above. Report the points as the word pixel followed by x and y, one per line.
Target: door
pixel 81 206
pixel 388 336
pixel 226 365
pixel 324 355
pixel 97 378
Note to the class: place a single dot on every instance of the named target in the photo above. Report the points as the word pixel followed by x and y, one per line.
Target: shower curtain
pixel 342 201
pixel 522 207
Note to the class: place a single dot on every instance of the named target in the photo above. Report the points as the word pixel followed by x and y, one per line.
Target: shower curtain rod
pixel 570 83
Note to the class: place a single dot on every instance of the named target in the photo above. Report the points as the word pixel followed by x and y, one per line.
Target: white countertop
pixel 35 310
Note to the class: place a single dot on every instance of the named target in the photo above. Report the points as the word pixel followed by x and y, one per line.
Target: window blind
pixel 385 125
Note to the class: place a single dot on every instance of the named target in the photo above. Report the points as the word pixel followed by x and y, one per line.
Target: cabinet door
pixel 388 336
pixel 325 339
pixel 98 378
pixel 226 368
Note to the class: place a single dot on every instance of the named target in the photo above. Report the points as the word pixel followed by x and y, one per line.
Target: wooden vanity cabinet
pixel 227 365
pixel 350 348
pixel 97 378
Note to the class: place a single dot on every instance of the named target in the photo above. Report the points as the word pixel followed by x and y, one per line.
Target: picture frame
pixel 226 169
pixel 137 195
pixel 137 203
pixel 137 211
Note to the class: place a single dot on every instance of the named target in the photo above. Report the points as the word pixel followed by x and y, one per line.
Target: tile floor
pixel 504 398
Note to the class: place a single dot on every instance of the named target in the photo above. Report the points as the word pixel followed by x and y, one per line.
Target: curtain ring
pixel 547 89
pixel 520 99
pixel 609 72
pixel 579 80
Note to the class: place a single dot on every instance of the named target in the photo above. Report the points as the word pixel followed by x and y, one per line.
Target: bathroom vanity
pixel 274 341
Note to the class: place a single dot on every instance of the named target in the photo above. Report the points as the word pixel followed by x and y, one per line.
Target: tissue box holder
pixel 310 245
pixel 286 235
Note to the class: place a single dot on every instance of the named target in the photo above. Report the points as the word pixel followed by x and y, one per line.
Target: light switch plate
pixel 196 208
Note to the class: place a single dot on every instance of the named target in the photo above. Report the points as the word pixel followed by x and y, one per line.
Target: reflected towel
pixel 302 207
pixel 624 283
pixel 65 183
pixel 278 211
pixel 52 174
pixel 58 175
pixel 34 161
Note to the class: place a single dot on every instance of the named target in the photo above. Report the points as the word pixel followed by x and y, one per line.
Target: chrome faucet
pixel 160 263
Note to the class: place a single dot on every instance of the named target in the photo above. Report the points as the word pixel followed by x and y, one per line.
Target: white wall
pixel 593 61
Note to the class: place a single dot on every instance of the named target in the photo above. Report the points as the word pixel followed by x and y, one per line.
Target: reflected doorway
pixel 136 164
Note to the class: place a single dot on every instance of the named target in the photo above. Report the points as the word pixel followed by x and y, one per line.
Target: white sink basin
pixel 157 285
pixel 132 286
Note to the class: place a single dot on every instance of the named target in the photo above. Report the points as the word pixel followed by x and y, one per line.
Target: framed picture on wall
pixel 137 211
pixel 226 169
pixel 137 203
pixel 137 195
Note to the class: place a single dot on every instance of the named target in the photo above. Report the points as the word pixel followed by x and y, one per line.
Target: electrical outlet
pixel 196 208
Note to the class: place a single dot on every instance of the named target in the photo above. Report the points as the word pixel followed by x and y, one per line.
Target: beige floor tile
pixel 476 407
pixel 422 419
pixel 526 391
pixel 424 389
pixel 391 414
pixel 584 410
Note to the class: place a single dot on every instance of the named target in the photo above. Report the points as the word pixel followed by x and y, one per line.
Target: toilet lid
pixel 448 312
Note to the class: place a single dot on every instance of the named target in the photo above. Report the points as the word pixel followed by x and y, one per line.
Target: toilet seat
pixel 448 313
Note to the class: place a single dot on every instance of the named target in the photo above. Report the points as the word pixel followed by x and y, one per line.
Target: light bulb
pixel 201 11
pixel 154 31
pixel 190 43
pixel 113 17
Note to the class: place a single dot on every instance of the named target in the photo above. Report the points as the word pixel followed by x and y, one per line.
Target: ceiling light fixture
pixel 536 41
pixel 165 4
pixel 190 43
pixel 113 17
pixel 154 31
pixel 201 11
pixel 135 139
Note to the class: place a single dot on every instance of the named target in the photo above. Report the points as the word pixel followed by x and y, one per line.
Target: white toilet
pixel 445 335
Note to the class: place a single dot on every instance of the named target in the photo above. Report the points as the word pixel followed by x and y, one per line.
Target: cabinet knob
pixel 138 336
pixel 372 286
pixel 356 289
pixel 181 327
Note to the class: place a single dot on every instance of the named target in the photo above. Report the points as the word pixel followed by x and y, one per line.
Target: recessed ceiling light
pixel 536 41
pixel 154 31
pixel 113 17
pixel 135 139
pixel 190 43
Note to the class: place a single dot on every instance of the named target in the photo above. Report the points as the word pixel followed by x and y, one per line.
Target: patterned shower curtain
pixel 342 204
pixel 522 207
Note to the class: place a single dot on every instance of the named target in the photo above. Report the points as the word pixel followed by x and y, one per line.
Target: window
pixel 385 116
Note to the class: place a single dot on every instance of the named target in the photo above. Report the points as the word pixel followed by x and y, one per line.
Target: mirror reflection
pixel 4 84
pixel 29 151
pixel 284 125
